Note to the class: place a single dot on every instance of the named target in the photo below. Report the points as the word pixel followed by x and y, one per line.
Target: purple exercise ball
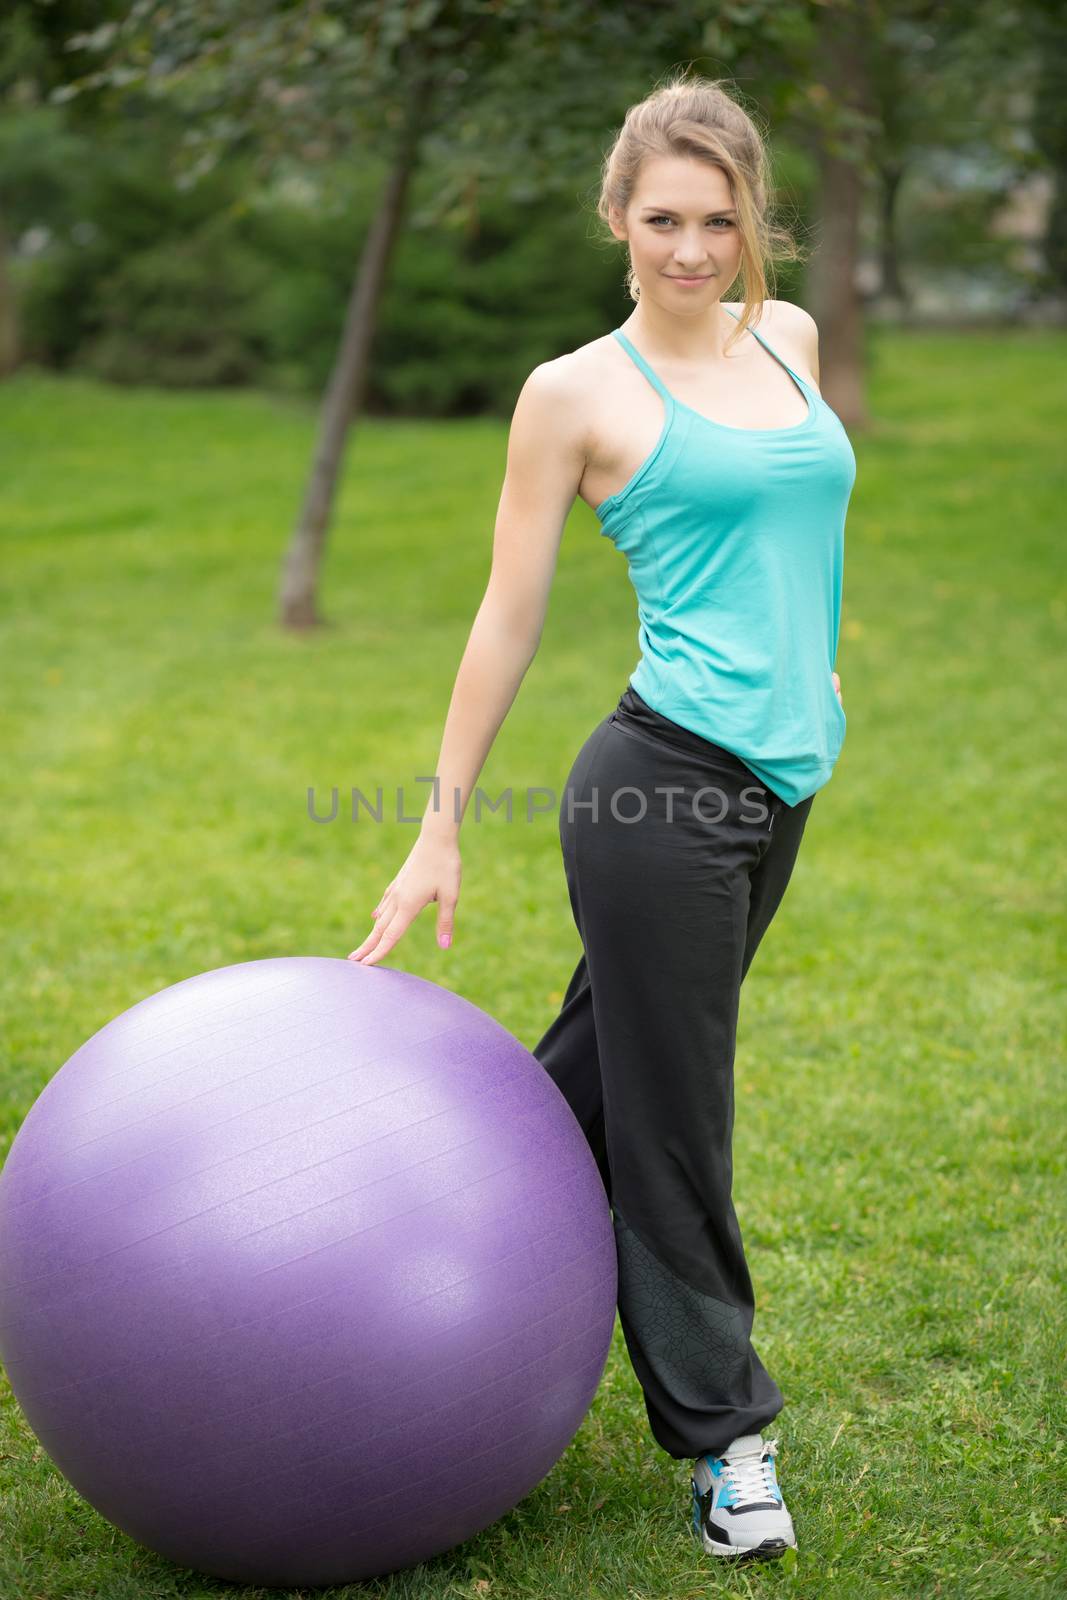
pixel 307 1272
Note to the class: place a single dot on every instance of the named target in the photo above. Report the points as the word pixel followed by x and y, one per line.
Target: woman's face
pixel 680 224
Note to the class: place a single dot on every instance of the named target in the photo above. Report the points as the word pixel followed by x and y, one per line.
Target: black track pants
pixel 671 907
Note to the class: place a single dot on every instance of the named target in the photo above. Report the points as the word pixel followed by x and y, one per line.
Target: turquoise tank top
pixel 734 539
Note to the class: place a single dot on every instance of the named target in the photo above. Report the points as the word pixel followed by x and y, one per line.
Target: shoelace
pixel 751 1475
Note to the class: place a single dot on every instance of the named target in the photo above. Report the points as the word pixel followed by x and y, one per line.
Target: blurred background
pixel 187 189
pixel 391 205
pixel 271 277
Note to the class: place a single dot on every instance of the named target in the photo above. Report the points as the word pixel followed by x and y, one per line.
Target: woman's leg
pixel 670 907
pixel 768 882
pixel 568 1053
pixel 568 1049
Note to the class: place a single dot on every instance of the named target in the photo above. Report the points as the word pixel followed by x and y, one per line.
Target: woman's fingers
pixel 382 940
pixel 382 911
pixel 381 903
pixel 370 944
pixel 390 927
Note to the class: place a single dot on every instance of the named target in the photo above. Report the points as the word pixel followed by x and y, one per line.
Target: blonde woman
pixel 717 469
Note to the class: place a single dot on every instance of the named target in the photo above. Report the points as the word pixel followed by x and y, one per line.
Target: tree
pixel 843 40
pixel 1049 127
pixel 41 147
pixel 509 92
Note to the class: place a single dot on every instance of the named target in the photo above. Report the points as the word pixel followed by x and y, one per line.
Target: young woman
pixel 713 463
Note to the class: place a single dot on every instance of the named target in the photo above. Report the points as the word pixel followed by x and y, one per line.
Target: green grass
pixel 898 1145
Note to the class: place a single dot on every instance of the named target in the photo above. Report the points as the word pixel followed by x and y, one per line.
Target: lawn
pixel 898 1143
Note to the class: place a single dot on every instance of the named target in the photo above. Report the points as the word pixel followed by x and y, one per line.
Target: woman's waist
pixel 634 711
pixel 754 725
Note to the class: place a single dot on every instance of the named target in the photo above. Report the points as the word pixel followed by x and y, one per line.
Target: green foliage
pixel 177 313
pixel 211 285
pixel 190 204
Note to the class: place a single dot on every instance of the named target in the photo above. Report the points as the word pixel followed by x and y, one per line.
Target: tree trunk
pixel 834 296
pixel 892 285
pixel 297 596
pixel 1048 130
pixel 9 336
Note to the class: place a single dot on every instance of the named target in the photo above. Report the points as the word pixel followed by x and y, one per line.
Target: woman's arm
pixel 545 462
pixel 546 457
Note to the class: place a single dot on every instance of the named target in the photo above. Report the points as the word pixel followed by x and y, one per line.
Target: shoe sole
pixel 768 1550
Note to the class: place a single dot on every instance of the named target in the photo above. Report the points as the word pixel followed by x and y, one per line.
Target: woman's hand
pixel 837 690
pixel 431 872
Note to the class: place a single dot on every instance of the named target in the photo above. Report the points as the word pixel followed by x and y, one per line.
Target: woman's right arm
pixel 546 457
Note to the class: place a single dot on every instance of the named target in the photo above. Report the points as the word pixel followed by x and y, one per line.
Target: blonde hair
pixel 696 117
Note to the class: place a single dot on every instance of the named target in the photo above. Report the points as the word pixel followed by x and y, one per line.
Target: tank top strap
pixel 766 346
pixel 639 361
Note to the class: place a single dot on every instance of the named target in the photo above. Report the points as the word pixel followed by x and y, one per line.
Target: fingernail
pixel 445 940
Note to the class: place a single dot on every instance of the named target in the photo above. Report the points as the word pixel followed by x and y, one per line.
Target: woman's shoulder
pixel 793 325
pixel 563 396
pixel 570 376
pixel 784 312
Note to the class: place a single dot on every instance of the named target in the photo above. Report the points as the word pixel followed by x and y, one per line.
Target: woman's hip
pixel 639 772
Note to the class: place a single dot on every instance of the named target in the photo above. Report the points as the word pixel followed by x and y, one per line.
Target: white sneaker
pixel 738 1508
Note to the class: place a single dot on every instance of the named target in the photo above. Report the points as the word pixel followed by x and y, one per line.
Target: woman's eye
pixel 724 220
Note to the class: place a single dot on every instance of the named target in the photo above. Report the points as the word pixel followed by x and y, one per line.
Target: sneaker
pixel 738 1508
